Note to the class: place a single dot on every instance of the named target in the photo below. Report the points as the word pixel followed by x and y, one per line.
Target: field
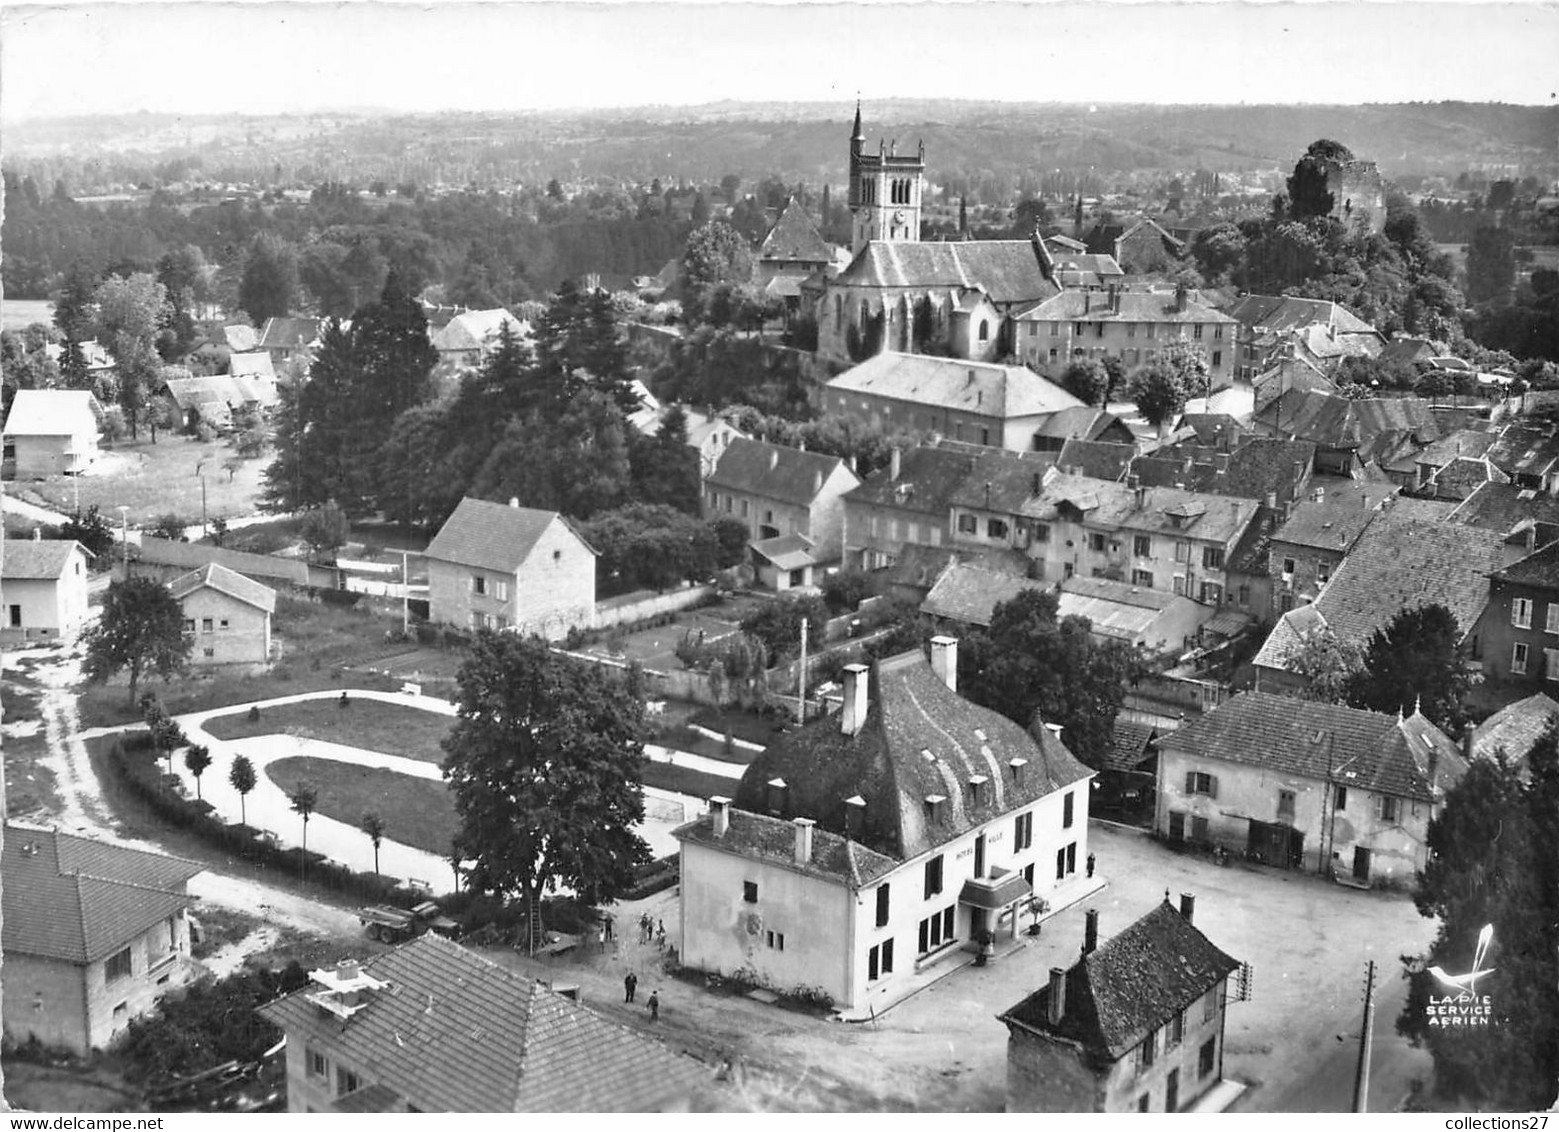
pixel 18 314
pixel 29 784
pixel 391 729
pixel 153 480
pixel 418 812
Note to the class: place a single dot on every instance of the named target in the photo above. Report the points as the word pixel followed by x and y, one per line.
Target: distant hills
pixel 806 141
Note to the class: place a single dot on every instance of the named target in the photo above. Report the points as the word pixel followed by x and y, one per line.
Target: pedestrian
pixel 1090 864
pixel 630 982
pixel 644 927
pixel 660 935
pixel 609 920
pixel 654 1005
pixel 600 938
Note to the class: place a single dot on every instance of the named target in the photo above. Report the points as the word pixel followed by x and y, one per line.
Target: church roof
pixel 794 237
pixel 1007 270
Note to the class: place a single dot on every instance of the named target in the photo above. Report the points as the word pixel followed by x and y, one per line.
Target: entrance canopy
pixel 995 893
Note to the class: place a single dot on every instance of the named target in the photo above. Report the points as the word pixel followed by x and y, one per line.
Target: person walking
pixel 660 935
pixel 630 984
pixel 654 1005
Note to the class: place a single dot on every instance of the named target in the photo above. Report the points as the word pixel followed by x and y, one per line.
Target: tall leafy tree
pixel 141 630
pixel 129 315
pixel 1087 380
pixel 1414 660
pixel 545 762
pixel 269 285
pixel 1307 192
pixel 394 356
pixel 373 826
pixel 1030 660
pixel 1491 265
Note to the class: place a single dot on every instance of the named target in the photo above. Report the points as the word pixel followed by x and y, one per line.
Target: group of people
pixel 652 930
pixel 631 985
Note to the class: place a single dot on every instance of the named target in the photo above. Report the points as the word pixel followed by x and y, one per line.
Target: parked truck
pixel 390 924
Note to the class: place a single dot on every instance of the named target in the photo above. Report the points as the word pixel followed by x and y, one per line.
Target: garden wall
pixel 641 605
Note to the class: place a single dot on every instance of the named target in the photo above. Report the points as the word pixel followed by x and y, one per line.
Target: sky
pixel 72 57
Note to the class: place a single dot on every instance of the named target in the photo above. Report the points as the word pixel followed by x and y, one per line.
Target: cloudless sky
pixel 83 58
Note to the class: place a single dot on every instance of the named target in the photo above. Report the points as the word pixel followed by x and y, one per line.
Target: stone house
pixel 94 935
pixel 43 590
pixel 1272 327
pixel 227 615
pixel 1141 247
pixel 433 1027
pixel 905 504
pixel 470 337
pixel 1309 547
pixel 1304 785
pixel 510 567
pixel 867 848
pixel 53 431
pixel 288 338
pixel 1135 1025
pixel 1519 631
pixel 777 490
pixel 1133 326
pixel 991 405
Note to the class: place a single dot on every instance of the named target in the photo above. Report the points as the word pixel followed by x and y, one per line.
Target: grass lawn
pixel 392 729
pixel 29 785
pixel 748 725
pixel 157 479
pixel 318 642
pixel 664 776
pixel 416 811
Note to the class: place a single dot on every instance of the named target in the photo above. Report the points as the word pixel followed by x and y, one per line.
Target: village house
pixel 1257 467
pixel 468 339
pixel 790 251
pixel 905 504
pixel 1349 434
pixel 777 490
pixel 1399 562
pixel 707 434
pixel 867 848
pixel 53 431
pixel 1317 331
pixel 1527 450
pixel 1514 731
pixel 1464 443
pixel 992 405
pixel 94 935
pixel 1287 373
pixel 226 615
pixel 1140 247
pixel 433 1027
pixel 1312 542
pixel 1135 1025
pixel 1133 326
pixel 510 567
pixel 1306 785
pixel 288 338
pixel 1519 631
pixel 256 377
pixel 211 400
pixel 43 590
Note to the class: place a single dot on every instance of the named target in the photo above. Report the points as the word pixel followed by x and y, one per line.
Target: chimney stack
pixel 1467 744
pixel 1057 995
pixel 1017 766
pixel 944 660
pixel 1187 907
pixel 514 501
pixel 895 464
pixel 1091 931
pixel 854 812
pixel 1434 767
pixel 804 840
pixel 779 794
pixel 1054 729
pixel 720 811
pixel 853 716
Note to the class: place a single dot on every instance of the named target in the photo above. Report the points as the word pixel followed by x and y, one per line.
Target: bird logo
pixel 1468 984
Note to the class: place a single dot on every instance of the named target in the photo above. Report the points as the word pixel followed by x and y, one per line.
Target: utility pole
pixel 1361 1082
pixel 406 601
pixel 801 680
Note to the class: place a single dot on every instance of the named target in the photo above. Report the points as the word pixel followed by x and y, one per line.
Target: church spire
pixel 856 133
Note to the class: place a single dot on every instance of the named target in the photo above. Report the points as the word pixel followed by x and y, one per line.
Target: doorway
pixel 1361 864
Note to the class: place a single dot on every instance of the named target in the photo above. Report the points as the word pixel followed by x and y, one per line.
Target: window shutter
pixel 1190 782
pixel 1376 800
pixel 1212 786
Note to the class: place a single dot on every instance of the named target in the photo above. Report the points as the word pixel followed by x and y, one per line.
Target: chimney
pixel 779 794
pixel 1054 729
pixel 1434 767
pixel 1017 766
pixel 514 501
pixel 1187 907
pixel 1090 931
pixel 720 811
pixel 1039 483
pixel 1272 501
pixel 804 840
pixel 854 814
pixel 1182 298
pixel 853 716
pixel 1057 995
pixel 944 660
pixel 1467 744
pixel 773 458
pixel 346 970
pixel 895 464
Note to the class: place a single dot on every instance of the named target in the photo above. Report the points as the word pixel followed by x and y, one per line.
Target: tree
pixel 130 314
pixel 373 826
pixel 324 529
pixel 1329 665
pixel 1491 266
pixel 167 736
pixel 1163 386
pixel 269 286
pixel 141 629
pixel 778 623
pixel 716 253
pixel 91 530
pixel 196 759
pixel 303 799
pixel 1087 380
pixel 1030 661
pixel 1307 192
pixel 545 761
pixel 1414 661
pixel 242 778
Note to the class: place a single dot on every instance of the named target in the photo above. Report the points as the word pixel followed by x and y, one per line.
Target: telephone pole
pixel 801 681
pixel 1361 1083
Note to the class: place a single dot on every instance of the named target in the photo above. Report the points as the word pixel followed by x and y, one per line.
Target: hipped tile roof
pixel 981 388
pixel 777 472
pixel 492 536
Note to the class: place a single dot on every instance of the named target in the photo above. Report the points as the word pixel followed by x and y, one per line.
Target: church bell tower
pixel 885 191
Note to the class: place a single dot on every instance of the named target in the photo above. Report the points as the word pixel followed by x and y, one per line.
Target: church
pixel 950 298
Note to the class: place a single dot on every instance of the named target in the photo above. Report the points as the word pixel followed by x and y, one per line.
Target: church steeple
pixel 885 191
pixel 857 136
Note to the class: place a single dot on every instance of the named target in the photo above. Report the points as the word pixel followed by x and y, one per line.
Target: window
pixel 117 966
pixel 1199 832
pixel 1041 532
pixel 1244 595
pixel 189 622
pixel 879 960
pixel 478 584
pixel 1217 334
pixel 222 624
pixel 501 590
pixel 346 1081
pixel 1096 543
pixel 776 941
pixel 995 528
pixel 1172 1091
pixel 1197 782
pixel 318 1064
pixel 1521 612
pixel 1210 1005
pixel 1551 664
pixel 750 891
pixel 1066 810
pixel 1055 331
pixel 1131 330
pixel 1142 546
pixel 1323 572
pixel 1182 551
pixel 1144 1103
pixel 1212 558
pixel 1196 330
pixel 1206 1057
pixel 882 905
pixel 1023 832
pixel 1286 805
pixel 985 330
pixel 1071 858
pixel 1143 578
pixel 1176 1032
pixel 1176 826
pixel 937 929
pixel 933 876
pixel 207 625
pixel 1147 1050
pixel 1212 594
pixel 1340 800
pixel 208 652
pixel 1179 585
pixel 1551 623
pixel 1152 328
pixel 1060 864
pixel 1077 329
pixel 968 525
pixel 1288 567
pixel 1388 808
pixel 1217 359
pixel 1518 659
pixel 1033 329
